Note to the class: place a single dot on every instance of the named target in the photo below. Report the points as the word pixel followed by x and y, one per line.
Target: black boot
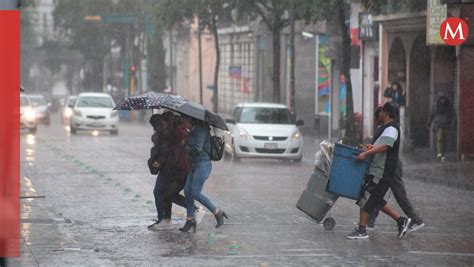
pixel 188 225
pixel 220 218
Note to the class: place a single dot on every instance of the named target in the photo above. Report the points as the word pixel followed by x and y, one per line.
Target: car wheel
pixel 235 158
pixel 227 155
pixel 33 130
pixel 73 131
pixel 298 160
pixel 114 132
pixel 48 121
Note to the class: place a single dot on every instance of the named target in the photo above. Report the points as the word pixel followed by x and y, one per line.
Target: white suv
pixel 93 111
pixel 27 114
pixel 263 130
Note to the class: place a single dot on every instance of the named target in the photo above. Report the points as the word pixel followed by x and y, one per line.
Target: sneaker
pixel 199 214
pixel 356 234
pixel 415 226
pixel 403 227
pixel 443 159
pixel 371 225
pixel 439 156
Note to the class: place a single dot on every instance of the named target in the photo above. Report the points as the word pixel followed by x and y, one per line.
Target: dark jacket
pixel 442 115
pixel 391 161
pixel 397 97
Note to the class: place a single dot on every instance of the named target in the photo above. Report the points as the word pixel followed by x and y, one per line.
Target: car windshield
pixel 24 101
pixel 38 101
pixel 94 102
pixel 265 115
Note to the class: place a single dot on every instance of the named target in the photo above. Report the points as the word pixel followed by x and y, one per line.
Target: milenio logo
pixel 454 31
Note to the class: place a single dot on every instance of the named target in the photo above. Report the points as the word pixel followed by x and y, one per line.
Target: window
pixel 265 115
pixel 94 102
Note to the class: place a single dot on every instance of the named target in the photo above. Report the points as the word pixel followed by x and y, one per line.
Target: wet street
pixel 90 200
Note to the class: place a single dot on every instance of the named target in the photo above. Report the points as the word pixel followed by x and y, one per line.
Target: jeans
pixel 158 199
pixel 167 204
pixel 399 192
pixel 441 134
pixel 164 203
pixel 199 173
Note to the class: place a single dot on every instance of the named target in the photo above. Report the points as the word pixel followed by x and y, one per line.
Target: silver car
pixel 41 108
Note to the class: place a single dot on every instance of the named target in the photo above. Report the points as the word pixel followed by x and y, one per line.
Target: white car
pixel 27 114
pixel 41 108
pixel 263 130
pixel 66 111
pixel 93 111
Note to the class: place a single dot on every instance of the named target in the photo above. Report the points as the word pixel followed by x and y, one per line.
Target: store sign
pixel 454 31
pixel 436 14
pixel 368 30
pixel 235 72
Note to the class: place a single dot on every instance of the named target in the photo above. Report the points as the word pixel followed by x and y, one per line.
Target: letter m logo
pixel 454 31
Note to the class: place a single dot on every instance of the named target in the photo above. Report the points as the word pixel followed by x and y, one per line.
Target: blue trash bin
pixel 346 175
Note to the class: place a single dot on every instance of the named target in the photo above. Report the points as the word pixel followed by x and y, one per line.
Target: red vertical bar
pixel 9 133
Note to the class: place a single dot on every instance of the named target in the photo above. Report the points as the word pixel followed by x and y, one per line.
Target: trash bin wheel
pixel 329 223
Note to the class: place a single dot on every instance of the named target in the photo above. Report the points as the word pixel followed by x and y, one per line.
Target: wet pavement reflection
pixel 98 202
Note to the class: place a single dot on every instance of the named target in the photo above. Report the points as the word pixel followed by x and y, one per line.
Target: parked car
pixel 263 130
pixel 93 111
pixel 41 108
pixel 27 114
pixel 66 111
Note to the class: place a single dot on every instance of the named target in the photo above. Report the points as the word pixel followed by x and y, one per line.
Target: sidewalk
pixel 418 166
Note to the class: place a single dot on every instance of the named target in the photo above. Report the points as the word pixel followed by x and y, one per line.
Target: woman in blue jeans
pixel 197 149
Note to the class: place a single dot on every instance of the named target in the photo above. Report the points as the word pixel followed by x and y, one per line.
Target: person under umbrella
pixel 167 160
pixel 197 148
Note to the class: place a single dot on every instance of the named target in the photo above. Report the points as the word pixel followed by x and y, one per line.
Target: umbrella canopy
pixel 152 100
pixel 199 112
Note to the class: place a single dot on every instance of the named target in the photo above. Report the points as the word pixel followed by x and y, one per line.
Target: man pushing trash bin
pixel 384 148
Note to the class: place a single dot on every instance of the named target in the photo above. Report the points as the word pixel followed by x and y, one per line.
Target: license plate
pixel 97 124
pixel 270 145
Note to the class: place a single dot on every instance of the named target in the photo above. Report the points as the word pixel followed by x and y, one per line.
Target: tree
pixel 94 38
pixel 208 12
pixel 91 38
pixel 274 14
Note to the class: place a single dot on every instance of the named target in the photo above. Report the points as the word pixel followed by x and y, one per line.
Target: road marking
pixel 270 256
pixel 443 253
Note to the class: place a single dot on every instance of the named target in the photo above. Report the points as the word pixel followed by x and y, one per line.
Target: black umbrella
pixel 199 112
pixel 150 100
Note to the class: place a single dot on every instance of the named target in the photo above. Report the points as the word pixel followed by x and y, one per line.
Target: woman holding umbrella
pixel 167 158
pixel 197 148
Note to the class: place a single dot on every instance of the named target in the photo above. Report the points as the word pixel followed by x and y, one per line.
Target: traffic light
pixel 133 69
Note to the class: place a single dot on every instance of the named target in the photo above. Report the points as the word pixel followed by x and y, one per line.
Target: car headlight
pixel 243 134
pixel 30 115
pixel 114 114
pixel 77 113
pixel 296 136
pixel 68 113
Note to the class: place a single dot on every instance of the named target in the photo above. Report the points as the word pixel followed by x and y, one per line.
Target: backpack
pixel 217 147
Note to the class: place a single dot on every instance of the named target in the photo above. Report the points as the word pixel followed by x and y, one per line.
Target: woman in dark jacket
pixel 197 148
pixel 167 157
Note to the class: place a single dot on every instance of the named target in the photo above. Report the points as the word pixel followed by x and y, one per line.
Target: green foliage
pixel 95 38
pixel 391 6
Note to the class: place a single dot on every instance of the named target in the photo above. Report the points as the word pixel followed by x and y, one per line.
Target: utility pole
pixel 171 59
pixel 292 58
pixel 200 62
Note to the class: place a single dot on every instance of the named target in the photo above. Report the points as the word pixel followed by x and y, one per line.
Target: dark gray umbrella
pixel 152 100
pixel 199 112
